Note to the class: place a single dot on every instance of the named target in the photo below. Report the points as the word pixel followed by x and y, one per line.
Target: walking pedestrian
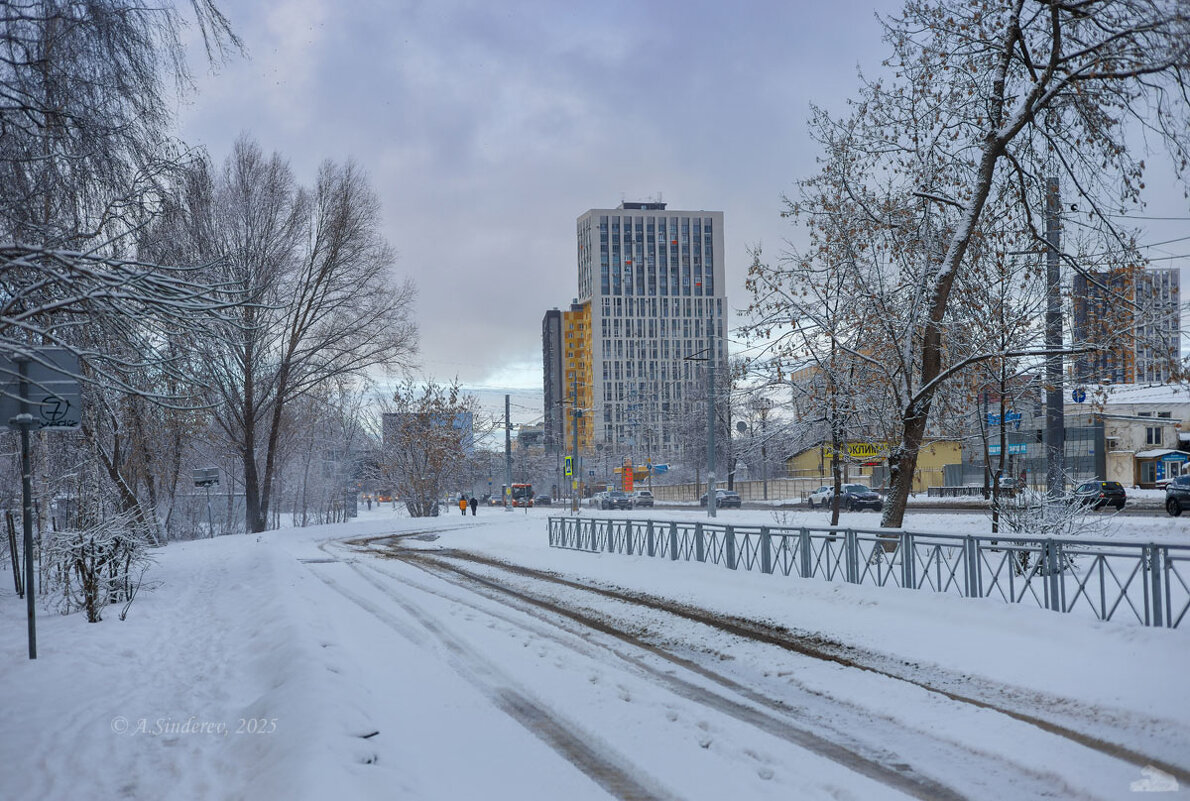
pixel 462 504
pixel 474 503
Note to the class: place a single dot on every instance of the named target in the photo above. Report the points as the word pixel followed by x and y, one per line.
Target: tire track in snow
pixel 620 780
pixel 825 652
pixel 839 745
pixel 883 768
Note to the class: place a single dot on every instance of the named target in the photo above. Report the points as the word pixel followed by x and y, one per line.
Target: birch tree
pixel 984 103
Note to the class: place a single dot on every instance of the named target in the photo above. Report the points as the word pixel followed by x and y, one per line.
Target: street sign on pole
pixel 207 477
pixel 51 378
pixel 39 390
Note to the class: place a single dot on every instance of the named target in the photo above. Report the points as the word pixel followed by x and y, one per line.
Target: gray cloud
pixel 487 128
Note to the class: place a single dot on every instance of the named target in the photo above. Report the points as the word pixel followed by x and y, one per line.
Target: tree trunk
pixel 902 464
pixel 254 514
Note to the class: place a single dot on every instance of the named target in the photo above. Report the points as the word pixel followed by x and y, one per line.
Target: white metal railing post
pixel 766 550
pixel 908 561
pixel 807 553
pixel 1053 592
pixel 970 559
pixel 851 558
pixel 1153 563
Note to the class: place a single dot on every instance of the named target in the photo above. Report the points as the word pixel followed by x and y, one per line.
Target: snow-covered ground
pixel 322 663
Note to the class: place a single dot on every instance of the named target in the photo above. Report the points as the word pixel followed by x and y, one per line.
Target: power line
pixel 1141 217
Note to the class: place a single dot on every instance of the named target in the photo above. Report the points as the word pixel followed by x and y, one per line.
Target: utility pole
pixel 507 455
pixel 764 437
pixel 711 499
pixel 1055 417
pixel 575 482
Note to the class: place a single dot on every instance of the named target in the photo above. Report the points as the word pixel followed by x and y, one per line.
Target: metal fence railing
pixel 1137 582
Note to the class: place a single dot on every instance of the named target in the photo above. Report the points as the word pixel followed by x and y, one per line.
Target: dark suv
pixel 1098 494
pixel 857 496
pixel 1177 495
pixel 724 499
pixel 615 499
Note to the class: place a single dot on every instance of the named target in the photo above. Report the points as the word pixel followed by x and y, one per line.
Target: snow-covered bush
pixel 1036 514
pixel 90 567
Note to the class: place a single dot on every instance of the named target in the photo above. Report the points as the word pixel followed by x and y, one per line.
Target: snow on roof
pixel 1140 393
pixel 1156 453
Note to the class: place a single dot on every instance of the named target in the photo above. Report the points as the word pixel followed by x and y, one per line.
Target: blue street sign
pixel 1079 395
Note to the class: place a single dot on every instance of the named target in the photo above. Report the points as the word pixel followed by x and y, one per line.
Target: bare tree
pixel 323 302
pixel 322 459
pixel 85 161
pixel 85 115
pixel 427 443
pixel 838 311
pixel 985 104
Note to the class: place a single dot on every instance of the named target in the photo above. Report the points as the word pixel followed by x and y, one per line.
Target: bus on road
pixel 522 494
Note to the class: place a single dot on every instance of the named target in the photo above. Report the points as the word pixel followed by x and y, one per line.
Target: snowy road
pixel 456 658
pixel 650 699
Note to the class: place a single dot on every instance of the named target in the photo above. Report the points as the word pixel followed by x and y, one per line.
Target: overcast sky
pixel 488 128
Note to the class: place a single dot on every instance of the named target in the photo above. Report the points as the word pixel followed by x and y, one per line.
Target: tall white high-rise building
pixel 652 284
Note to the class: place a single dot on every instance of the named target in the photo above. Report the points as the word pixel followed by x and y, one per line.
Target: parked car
pixel 856 496
pixel 724 499
pixel 615 499
pixel 1177 495
pixel 821 496
pixel 852 497
pixel 642 498
pixel 1098 494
